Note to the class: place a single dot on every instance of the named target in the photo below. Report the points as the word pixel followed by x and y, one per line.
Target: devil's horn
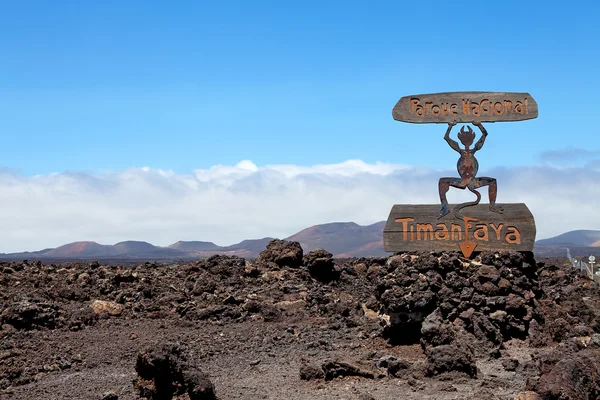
pixel 469 130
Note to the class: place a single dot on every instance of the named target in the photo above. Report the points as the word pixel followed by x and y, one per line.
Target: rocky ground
pixel 301 326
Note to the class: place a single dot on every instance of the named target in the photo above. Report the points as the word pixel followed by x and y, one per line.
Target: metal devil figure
pixel 467 169
pixel 471 225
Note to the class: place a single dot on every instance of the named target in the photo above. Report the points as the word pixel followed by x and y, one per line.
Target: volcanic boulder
pixel 283 253
pixel 393 366
pixel 31 314
pixel 451 358
pixel 435 331
pixel 108 307
pixel 335 368
pixel 310 371
pixel 164 372
pixel 566 373
pixel 320 265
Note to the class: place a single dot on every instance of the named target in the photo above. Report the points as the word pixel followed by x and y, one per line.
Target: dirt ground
pixel 297 326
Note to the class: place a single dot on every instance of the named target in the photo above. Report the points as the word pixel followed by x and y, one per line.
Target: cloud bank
pixel 227 204
pixel 569 155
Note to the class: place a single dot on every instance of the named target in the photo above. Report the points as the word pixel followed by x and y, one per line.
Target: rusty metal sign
pixel 453 108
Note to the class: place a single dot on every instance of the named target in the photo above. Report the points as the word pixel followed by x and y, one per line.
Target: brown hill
pixel 343 239
pixel 79 250
pixel 573 238
pixel 579 242
pixel 194 246
pixel 88 249
pixel 247 248
pixel 132 247
pixel 252 245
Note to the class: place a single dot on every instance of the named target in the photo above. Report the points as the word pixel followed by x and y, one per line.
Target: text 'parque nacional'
pixel 465 107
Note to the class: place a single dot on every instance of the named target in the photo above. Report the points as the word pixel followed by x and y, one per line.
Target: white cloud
pixel 227 204
pixel 569 155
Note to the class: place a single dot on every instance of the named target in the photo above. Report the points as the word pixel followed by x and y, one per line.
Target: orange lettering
pixel 513 236
pixel 481 233
pixel 442 234
pixel 465 105
pixel 485 109
pixel 519 107
pixel 425 228
pixel 456 229
pixel 496 229
pixel 427 106
pixel 445 108
pixel 404 222
pixel 498 108
pixel 414 103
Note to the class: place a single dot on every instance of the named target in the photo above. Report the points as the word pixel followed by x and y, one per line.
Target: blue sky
pixel 106 104
pixel 114 84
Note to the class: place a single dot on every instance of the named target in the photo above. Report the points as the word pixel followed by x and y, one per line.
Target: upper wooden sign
pixel 465 107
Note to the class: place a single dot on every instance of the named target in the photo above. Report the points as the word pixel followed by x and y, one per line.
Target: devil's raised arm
pixel 481 128
pixel 451 142
pixel 481 140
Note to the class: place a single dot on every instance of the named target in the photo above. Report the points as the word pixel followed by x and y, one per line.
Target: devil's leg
pixel 492 191
pixel 444 186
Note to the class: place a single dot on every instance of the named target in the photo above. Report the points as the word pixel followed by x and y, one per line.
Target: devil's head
pixel 466 137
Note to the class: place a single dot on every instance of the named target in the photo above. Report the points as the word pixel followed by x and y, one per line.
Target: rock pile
pixel 569 306
pixel 570 371
pixel 164 372
pixel 32 313
pixel 455 306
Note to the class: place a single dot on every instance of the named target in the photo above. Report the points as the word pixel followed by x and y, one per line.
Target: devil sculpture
pixel 467 169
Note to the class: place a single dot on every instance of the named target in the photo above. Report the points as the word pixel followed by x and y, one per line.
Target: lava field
pixel 289 325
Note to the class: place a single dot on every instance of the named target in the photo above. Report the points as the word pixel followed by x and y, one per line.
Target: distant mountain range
pixel 580 243
pixel 342 239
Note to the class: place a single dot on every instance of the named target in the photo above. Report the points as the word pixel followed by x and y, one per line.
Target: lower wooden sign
pixel 416 228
